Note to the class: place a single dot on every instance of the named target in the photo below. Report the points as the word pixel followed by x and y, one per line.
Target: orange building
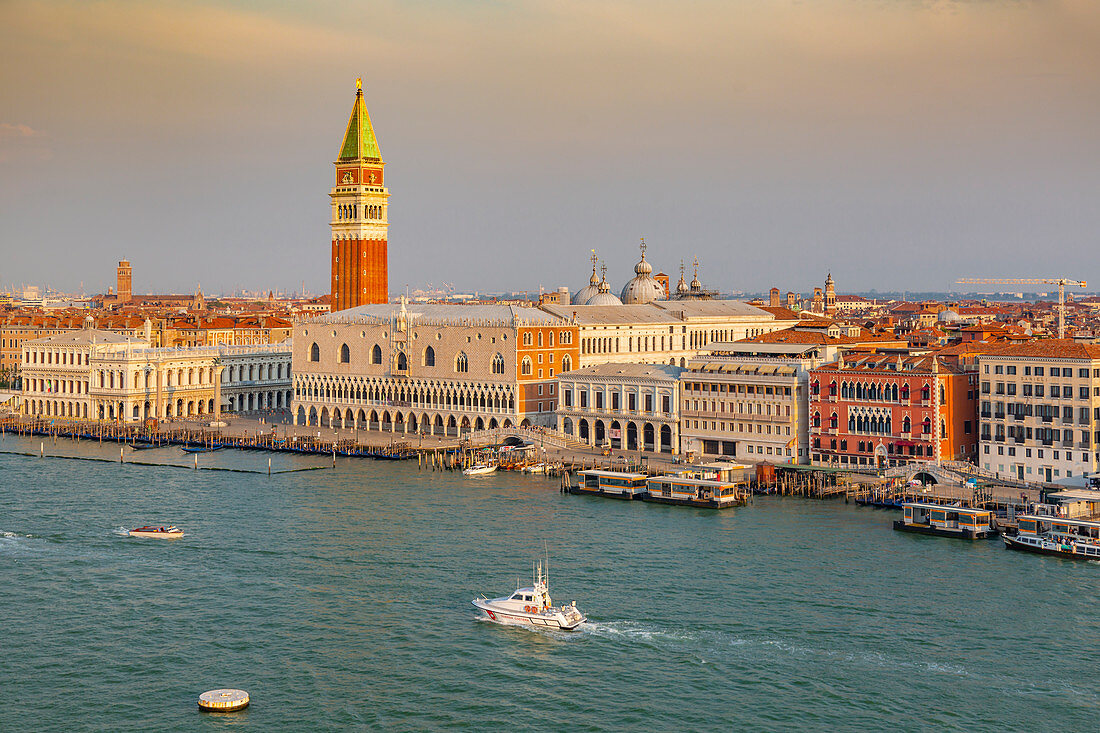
pixel 360 263
pixel 543 352
pixel 878 410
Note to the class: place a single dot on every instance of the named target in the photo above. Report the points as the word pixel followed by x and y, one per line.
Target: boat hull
pixel 582 491
pixel 962 534
pixel 698 503
pixel 479 471
pixel 1014 543
pixel 510 617
pixel 156 535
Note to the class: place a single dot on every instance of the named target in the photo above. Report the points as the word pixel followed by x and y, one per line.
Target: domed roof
pixel 604 298
pixel 592 289
pixel 643 287
pixel 948 316
pixel 603 295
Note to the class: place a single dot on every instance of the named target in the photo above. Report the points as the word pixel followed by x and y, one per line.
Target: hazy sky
pixel 898 143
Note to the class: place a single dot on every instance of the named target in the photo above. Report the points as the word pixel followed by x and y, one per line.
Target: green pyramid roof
pixel 359 140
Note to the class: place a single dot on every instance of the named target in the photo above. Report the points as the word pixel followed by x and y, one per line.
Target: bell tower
pixel 360 263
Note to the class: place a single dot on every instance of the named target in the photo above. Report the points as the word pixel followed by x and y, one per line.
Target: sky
pixel 899 144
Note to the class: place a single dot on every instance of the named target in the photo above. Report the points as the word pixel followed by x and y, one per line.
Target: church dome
pixel 948 316
pixel 604 298
pixel 643 287
pixel 591 290
pixel 603 295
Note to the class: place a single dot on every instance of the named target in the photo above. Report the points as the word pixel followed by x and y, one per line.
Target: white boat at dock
pixel 479 469
pixel 532 606
pixel 536 468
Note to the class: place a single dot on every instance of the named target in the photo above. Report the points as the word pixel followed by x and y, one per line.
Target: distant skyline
pixel 899 145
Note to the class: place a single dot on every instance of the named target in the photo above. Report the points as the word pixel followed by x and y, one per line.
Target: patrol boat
pixel 532 606
pixel 160 532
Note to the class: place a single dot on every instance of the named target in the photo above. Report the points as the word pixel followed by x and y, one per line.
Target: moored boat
pixel 531 606
pixel 165 532
pixel 201 448
pixel 479 469
pixel 695 492
pixel 613 484
pixel 536 468
pixel 946 521
pixel 1077 539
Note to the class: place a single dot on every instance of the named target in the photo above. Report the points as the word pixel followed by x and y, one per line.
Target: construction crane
pixel 1061 282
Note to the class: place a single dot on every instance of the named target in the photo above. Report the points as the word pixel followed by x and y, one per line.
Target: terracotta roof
pixel 890 363
pixel 1052 349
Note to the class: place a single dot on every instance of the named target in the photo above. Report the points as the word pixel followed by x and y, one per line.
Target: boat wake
pixel 713 643
pixel 120 532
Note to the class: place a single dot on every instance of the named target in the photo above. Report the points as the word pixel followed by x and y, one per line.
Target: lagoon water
pixel 340 600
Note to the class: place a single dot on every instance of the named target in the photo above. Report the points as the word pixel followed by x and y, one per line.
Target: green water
pixel 340 599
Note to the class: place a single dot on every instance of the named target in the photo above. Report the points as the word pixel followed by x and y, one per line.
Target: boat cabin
pixel 694 491
pixel 1086 530
pixel 947 519
pixel 629 485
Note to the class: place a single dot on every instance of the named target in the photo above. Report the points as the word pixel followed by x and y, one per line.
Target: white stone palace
pixel 436 369
pixel 102 375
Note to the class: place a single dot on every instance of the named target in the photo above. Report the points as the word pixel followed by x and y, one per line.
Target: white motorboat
pixel 160 532
pixel 536 468
pixel 479 469
pixel 532 606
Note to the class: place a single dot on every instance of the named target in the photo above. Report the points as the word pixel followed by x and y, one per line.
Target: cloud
pixel 8 130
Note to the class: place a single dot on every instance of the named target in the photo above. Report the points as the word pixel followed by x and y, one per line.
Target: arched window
pixel 926 427
pixel 402 362
pixel 498 364
pixel 834 421
pixel 566 363
pixel 345 354
pixel 429 357
pixel 817 419
pixel 314 354
pixel 906 425
pixel 527 339
pixel 462 362
pixel 525 365
pixel 376 355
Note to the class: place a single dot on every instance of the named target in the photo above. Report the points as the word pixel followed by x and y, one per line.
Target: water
pixel 340 599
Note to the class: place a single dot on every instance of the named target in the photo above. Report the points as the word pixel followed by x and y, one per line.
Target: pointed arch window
pixel 345 354
pixel 314 355
pixel 566 363
pixel 498 364
pixel 462 362
pixel 376 355
pixel 525 366
pixel 429 357
pixel 402 362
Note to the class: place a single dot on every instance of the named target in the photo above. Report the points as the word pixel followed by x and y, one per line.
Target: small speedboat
pixel 532 606
pixel 536 468
pixel 165 532
pixel 479 469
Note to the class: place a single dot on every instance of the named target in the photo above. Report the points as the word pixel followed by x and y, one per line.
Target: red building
pixel 360 261
pixel 878 410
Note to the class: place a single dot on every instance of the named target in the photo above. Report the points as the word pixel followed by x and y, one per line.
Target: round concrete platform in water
pixel 223 701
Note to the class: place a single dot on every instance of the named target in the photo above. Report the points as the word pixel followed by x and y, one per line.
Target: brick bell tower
pixel 360 264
